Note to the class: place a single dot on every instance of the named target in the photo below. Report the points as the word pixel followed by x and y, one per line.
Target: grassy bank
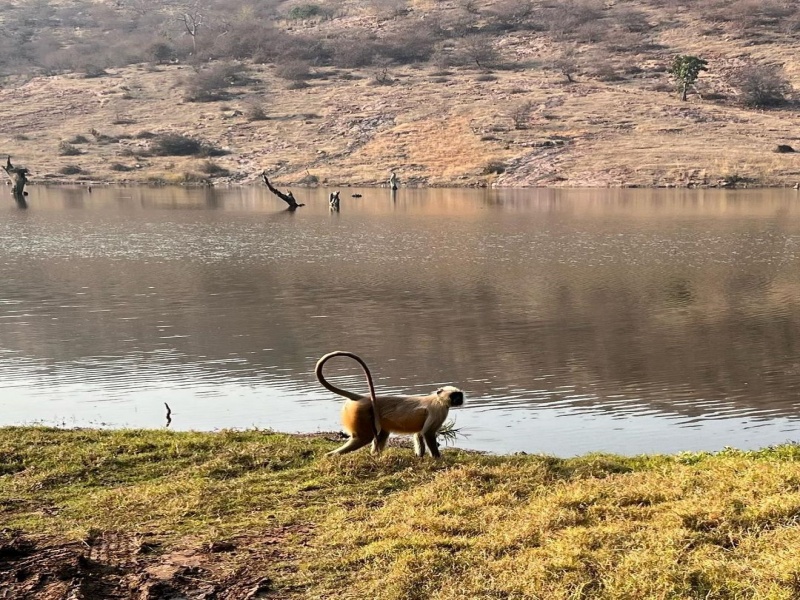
pixel 158 514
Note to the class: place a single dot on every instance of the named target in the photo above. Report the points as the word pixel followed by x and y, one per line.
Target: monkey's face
pixel 453 395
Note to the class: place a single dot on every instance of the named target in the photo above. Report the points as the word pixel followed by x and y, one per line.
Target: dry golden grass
pixel 470 526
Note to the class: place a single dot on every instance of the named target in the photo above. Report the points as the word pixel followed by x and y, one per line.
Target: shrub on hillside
pixel 295 70
pixel 67 149
pixel 289 47
pixel 567 17
pixel 247 40
pixel 761 85
pixel 509 15
pixel 566 63
pixel 494 167
pixel 211 168
pixel 211 83
pixel 477 50
pixel 411 44
pixel 305 11
pixel 160 53
pixel 255 111
pixel 747 14
pixel 175 144
pixel 630 19
pixel 389 9
pixel 354 52
pixel 521 114
pixel 70 170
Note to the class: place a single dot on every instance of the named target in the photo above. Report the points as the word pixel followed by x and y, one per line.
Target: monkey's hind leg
pixel 379 443
pixel 354 443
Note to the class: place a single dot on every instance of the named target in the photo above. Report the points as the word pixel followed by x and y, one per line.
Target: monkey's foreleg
pixel 419 445
pixel 433 445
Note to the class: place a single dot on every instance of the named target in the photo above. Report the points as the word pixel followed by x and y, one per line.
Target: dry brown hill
pixel 489 105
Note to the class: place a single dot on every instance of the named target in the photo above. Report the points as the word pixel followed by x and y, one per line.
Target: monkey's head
pixel 453 395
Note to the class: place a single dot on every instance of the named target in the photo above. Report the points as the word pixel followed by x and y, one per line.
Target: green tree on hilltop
pixel 686 69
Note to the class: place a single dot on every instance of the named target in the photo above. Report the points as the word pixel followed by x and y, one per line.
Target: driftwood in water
pixel 19 177
pixel 288 197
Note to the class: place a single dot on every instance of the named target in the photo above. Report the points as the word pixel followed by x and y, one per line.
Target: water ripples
pixel 571 330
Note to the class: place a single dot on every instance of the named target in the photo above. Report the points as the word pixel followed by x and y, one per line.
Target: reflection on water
pixel 621 320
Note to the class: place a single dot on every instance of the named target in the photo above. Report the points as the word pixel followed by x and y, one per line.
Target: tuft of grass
pixel 449 432
pixel 67 149
pixel 692 525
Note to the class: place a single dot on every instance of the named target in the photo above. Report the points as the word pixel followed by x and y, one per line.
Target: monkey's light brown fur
pixel 373 418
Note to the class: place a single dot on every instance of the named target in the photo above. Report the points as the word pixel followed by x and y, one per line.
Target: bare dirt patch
pixel 112 565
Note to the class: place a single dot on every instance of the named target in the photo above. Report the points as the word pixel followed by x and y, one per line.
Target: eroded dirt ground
pixel 108 565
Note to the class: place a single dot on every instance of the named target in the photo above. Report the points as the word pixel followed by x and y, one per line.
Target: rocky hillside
pixel 452 92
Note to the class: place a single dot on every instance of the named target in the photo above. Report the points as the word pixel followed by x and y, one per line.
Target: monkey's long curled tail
pixel 376 422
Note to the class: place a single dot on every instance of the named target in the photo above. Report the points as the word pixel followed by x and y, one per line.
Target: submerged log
pixel 19 177
pixel 288 197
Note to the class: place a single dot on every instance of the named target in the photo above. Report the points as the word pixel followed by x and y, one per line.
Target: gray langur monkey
pixel 372 418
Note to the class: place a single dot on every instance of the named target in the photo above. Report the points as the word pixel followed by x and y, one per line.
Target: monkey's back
pixel 397 415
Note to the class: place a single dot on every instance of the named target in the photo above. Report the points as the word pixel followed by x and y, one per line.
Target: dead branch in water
pixel 19 177
pixel 288 197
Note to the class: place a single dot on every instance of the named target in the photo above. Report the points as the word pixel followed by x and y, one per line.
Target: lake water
pixel 575 320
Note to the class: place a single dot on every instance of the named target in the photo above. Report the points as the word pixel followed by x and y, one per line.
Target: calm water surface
pixel 627 320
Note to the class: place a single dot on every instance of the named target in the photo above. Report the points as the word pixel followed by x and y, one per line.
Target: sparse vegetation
pixel 213 83
pixel 67 149
pixel 478 49
pixel 212 169
pixel 296 70
pixel 120 119
pixel 761 85
pixel 495 167
pixel 70 170
pixel 304 11
pixel 309 179
pixel 255 111
pixel 521 115
pixel 218 50
pixel 175 144
pixel 566 64
pixel 160 53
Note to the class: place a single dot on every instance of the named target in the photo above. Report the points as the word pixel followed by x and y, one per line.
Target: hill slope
pixel 489 104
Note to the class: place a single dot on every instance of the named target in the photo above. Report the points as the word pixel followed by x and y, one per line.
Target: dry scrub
pixel 348 92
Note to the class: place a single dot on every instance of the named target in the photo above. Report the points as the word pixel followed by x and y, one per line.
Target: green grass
pixel 696 525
